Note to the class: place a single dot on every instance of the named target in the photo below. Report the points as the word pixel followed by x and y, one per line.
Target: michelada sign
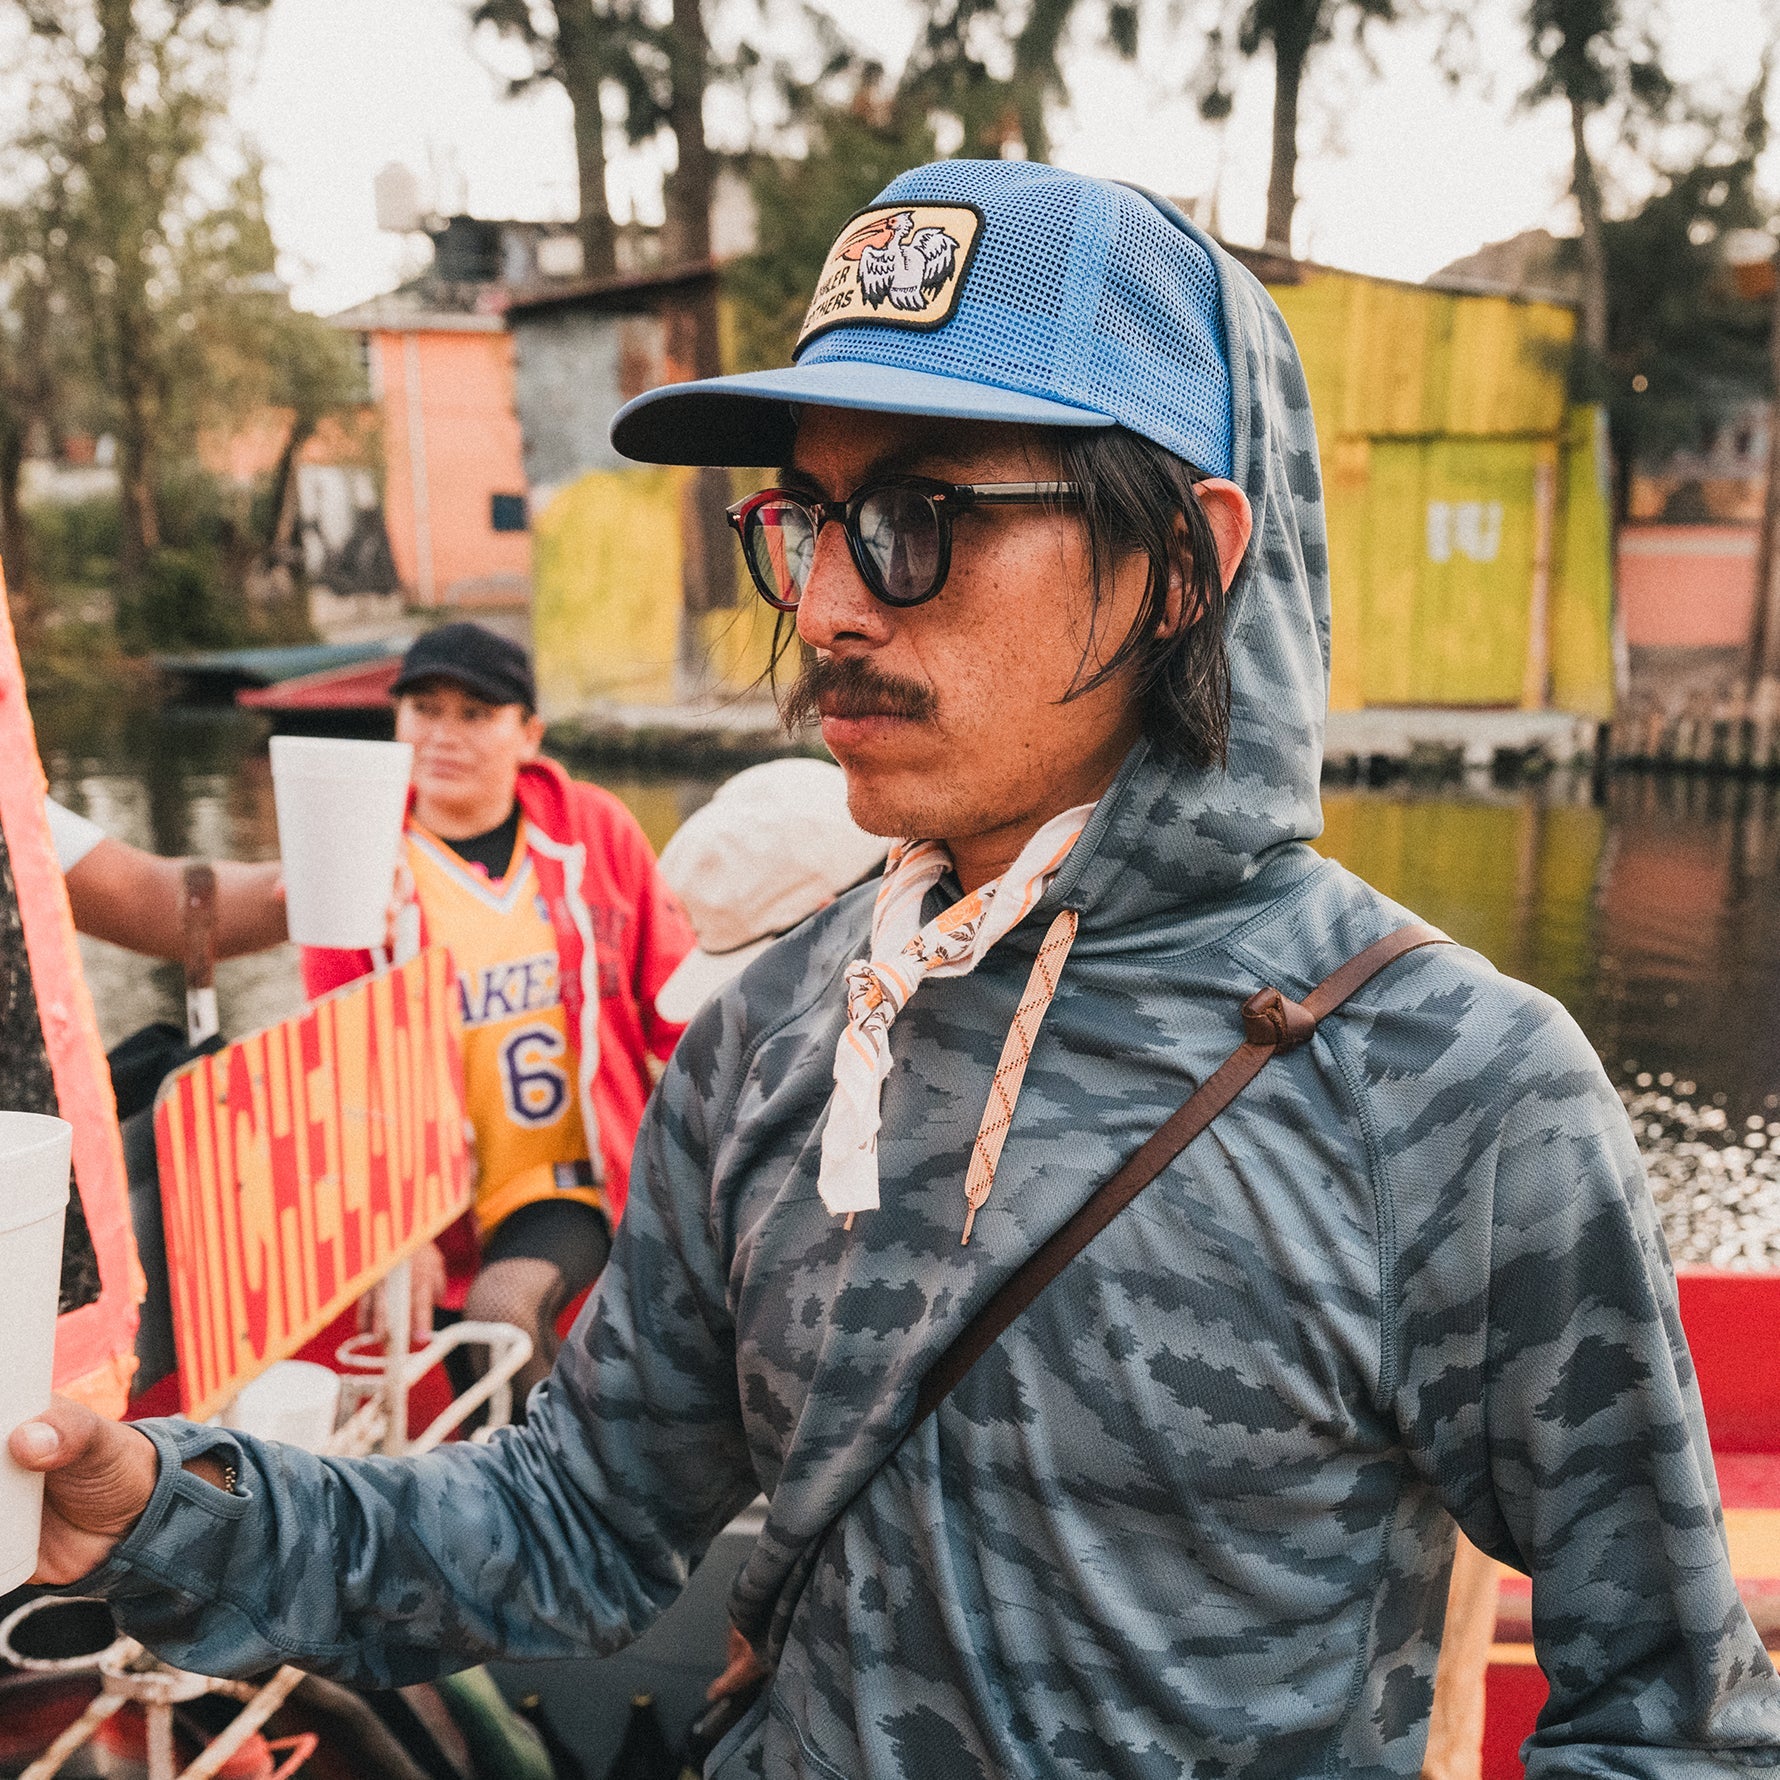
pixel 300 1164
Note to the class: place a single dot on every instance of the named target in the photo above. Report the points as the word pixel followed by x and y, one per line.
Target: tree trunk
pixel 126 297
pixel 277 547
pixel 1282 181
pixel 1587 189
pixel 688 231
pixel 707 572
pixel 578 51
pixel 136 482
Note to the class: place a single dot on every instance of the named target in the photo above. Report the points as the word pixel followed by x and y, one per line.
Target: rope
pixel 1010 1072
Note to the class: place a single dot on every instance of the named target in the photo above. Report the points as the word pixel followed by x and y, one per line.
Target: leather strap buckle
pixel 1268 1018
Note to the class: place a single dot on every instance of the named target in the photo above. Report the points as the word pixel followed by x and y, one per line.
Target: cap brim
pixel 749 418
pixel 700 975
pixel 491 691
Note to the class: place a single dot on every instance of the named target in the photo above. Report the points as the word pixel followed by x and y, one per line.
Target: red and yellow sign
pixel 95 1343
pixel 299 1165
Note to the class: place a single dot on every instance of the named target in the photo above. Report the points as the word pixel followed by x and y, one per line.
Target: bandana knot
pixel 904 953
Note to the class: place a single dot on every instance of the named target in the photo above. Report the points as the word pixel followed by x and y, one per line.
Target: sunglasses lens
pixel 780 539
pixel 899 531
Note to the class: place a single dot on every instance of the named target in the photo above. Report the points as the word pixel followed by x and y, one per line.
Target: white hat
pixel 773 846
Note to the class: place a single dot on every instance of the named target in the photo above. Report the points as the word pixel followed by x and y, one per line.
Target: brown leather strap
pixel 1271 1024
pixel 198 916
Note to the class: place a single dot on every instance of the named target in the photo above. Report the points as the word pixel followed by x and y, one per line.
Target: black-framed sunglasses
pixel 898 531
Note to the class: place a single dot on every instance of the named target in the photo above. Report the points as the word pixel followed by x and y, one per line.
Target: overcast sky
pixel 1399 173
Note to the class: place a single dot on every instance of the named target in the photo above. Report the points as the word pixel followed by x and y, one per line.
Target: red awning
pixel 362 687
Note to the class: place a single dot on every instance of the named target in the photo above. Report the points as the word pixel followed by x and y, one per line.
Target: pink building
pixel 1687 586
pixel 454 485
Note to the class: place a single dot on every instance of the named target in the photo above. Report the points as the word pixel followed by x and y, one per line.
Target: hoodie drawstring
pixel 1010 1072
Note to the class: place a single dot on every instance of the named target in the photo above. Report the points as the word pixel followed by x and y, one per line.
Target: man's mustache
pixel 851 687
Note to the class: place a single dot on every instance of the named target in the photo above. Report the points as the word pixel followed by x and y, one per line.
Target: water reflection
pixel 1652 915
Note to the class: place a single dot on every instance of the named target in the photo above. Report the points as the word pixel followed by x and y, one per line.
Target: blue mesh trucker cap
pixel 983 290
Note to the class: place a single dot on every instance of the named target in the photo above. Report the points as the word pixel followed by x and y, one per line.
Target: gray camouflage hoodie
pixel 1194 1514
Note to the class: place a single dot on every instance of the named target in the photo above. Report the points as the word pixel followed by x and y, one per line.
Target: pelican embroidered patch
pixel 897 264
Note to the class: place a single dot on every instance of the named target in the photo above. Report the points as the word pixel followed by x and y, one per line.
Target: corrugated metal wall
pixel 1467 525
pixel 1468 520
pixel 606 612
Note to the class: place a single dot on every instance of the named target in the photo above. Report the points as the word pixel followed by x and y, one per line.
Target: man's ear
pixel 534 737
pixel 1232 523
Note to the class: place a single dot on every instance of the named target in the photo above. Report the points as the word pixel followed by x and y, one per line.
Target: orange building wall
pixel 1683 586
pixel 447 405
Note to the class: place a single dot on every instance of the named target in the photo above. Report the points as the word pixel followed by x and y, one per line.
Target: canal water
pixel 1649 907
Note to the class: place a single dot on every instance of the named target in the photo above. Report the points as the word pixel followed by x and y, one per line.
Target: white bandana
pixel 903 955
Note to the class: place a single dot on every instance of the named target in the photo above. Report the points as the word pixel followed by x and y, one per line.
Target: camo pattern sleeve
pixel 564 1537
pixel 1543 1384
pixel 1194 1515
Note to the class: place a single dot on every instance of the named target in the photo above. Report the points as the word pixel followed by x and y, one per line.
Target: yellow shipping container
pixel 1467 512
pixel 1468 526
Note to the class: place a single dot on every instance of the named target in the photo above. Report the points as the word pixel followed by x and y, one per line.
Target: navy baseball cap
pixel 474 657
pixel 984 290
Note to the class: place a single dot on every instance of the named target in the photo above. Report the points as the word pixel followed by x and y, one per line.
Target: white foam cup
pixel 34 1150
pixel 340 808
pixel 295 1401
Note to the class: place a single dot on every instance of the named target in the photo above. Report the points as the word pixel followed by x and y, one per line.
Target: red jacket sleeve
pixel 663 933
pixel 326 968
pixel 664 937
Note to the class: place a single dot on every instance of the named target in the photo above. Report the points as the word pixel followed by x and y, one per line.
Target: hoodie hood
pixel 1068 301
pixel 1165 833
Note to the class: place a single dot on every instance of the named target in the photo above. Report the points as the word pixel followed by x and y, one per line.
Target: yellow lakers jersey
pixel 520 1066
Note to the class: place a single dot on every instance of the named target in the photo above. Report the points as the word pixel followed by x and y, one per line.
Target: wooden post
pixel 397 1289
pixel 201 1020
pixel 1535 692
pixel 1763 672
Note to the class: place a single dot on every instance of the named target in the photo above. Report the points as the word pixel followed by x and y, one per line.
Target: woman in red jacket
pixel 546 893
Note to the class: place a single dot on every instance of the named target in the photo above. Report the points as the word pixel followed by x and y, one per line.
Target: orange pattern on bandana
pixel 903 955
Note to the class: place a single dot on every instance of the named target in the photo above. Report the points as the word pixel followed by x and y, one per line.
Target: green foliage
pixel 189 594
pixel 179 603
pixel 237 345
pixel 113 178
pixel 994 68
pixel 75 547
pixel 139 297
pixel 1593 52
pixel 802 205
pixel 586 46
pixel 1293 28
pixel 1684 349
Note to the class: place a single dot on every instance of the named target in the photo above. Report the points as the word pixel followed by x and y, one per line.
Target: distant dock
pixel 694 738
pixel 1433 743
pixel 1673 721
pixel 1374 745
pixel 1441 742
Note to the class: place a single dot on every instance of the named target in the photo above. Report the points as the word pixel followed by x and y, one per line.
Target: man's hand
pixel 98 1476
pixel 402 911
pixel 427 1278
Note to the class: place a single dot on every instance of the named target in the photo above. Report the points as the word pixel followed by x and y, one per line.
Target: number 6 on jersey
pixel 533 1083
